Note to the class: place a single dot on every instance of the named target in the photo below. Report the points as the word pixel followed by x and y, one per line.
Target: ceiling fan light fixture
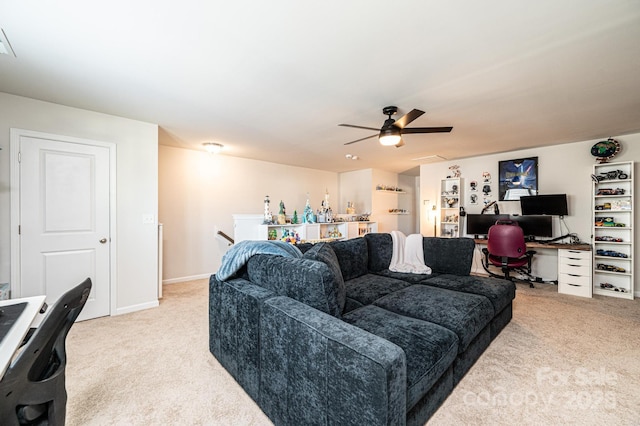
pixel 390 136
pixel 212 147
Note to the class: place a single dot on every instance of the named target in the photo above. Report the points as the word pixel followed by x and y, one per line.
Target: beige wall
pixel 200 192
pixel 137 187
pixel 355 186
pixel 563 168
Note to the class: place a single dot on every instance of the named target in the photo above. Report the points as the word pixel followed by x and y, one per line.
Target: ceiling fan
pixel 392 130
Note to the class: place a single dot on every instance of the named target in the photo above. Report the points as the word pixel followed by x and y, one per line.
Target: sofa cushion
pixel 322 252
pixel 463 313
pixel 380 251
pixel 368 288
pixel 449 255
pixel 352 256
pixel 429 348
pixel 500 292
pixel 308 281
pixel 405 276
pixel 304 247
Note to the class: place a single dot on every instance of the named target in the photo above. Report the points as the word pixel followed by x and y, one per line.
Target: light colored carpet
pixel 561 360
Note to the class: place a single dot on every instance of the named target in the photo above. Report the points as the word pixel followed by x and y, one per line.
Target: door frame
pixel 15 185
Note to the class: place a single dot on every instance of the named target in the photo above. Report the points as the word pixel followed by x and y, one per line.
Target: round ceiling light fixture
pixel 212 147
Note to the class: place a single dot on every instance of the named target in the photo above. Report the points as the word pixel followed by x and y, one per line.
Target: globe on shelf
pixel 605 150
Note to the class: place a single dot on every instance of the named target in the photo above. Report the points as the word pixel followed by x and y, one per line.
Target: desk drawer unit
pixel 574 272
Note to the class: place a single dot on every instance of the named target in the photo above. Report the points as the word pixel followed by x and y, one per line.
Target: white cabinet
pixel 247 227
pixel 613 229
pixel 574 272
pixel 450 203
pixel 250 227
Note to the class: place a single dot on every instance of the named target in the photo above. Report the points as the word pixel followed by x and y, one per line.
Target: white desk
pixel 11 342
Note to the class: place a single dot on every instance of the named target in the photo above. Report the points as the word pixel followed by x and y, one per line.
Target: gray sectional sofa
pixel 335 338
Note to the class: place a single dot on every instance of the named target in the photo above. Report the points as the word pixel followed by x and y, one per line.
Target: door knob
pixel 103 241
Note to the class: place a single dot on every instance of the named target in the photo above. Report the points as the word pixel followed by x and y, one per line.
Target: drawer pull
pixel 574 275
pixel 575 266
pixel 574 285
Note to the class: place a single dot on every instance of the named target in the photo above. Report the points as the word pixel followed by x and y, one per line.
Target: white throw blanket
pixel 408 255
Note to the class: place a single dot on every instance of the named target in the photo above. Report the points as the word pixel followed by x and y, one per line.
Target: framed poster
pixel 517 178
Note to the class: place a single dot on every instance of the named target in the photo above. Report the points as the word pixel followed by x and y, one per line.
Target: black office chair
pixel 32 391
pixel 507 249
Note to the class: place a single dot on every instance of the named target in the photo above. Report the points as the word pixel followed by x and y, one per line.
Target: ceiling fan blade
pixel 426 130
pixel 408 118
pixel 360 127
pixel 358 140
pixel 399 144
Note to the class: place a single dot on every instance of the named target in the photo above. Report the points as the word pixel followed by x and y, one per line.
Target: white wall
pixel 563 168
pixel 137 187
pixel 200 192
pixel 360 187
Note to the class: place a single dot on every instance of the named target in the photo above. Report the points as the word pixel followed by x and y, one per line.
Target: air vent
pixel 5 46
pixel 429 159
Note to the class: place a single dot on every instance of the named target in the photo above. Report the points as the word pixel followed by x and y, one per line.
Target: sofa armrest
pixel 449 255
pixel 234 335
pixel 317 369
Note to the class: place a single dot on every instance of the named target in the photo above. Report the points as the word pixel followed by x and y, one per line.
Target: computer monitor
pixel 479 224
pixel 535 226
pixel 553 204
pixel 532 226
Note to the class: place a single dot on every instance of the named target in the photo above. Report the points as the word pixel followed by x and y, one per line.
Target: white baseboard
pixel 138 307
pixel 183 279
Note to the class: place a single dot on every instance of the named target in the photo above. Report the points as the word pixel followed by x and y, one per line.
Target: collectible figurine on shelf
pixel 268 217
pixel 307 215
pixel 294 220
pixel 351 208
pixel 282 216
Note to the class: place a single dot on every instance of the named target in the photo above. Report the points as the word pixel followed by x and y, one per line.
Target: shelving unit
pixel 250 227
pixel 392 191
pixel 613 230
pixel 450 203
pixel 394 209
pixel 359 229
pixel 306 231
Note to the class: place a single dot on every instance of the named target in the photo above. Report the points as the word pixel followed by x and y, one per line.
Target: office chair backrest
pixel 506 239
pixel 35 380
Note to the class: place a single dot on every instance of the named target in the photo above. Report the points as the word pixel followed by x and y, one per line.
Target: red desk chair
pixel 506 249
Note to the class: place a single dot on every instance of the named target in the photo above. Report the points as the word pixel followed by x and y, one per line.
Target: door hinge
pixel 19 157
pixel 19 229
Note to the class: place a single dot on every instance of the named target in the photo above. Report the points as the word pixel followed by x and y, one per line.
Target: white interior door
pixel 64 220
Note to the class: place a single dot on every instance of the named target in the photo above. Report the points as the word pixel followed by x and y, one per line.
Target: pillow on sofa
pixel 322 252
pixel 352 257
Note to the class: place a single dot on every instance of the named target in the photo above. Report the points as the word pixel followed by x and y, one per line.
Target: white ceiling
pixel 271 80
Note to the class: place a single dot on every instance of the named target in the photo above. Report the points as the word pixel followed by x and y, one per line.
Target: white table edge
pixel 13 339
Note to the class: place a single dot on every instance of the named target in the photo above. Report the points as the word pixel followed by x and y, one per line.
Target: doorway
pixel 62 217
